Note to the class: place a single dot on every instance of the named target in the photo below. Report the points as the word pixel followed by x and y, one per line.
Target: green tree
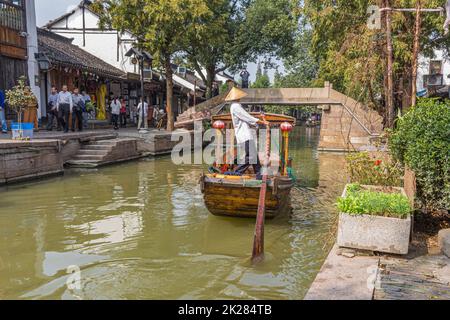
pixel 209 45
pixel 301 68
pixel 239 31
pixel 263 81
pixel 160 27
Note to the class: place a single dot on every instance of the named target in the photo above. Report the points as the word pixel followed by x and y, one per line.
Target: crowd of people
pixel 75 107
pixel 65 103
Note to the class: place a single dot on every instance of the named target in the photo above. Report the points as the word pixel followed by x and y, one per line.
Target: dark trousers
pixel 250 159
pixel 123 120
pixel 51 116
pixel 64 114
pixel 77 117
pixel 115 121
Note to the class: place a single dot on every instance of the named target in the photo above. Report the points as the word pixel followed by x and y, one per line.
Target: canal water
pixel 141 231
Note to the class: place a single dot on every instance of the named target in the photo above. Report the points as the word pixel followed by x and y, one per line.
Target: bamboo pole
pixel 286 152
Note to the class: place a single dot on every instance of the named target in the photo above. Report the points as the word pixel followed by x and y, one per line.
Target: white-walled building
pixel 433 74
pixel 82 24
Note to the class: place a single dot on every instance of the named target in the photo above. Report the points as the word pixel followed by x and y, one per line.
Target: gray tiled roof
pixel 61 51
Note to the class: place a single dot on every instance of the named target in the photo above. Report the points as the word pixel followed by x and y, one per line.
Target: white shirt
pixel 242 121
pixel 139 109
pixel 115 107
pixel 65 98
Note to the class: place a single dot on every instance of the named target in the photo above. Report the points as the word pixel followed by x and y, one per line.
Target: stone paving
pixel 422 278
pixel 354 275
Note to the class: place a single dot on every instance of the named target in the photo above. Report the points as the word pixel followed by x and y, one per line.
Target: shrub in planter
pixel 374 170
pixel 374 218
pixel 359 201
pixel 19 98
pixel 422 142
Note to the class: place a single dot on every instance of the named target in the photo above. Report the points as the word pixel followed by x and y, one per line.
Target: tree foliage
pixel 300 66
pixel 352 56
pixel 160 27
pixel 239 31
pixel 20 97
pixel 422 142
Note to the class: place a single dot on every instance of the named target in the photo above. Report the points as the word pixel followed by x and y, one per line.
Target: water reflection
pixel 140 231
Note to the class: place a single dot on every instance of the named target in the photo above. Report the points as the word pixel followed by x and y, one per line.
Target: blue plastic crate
pixel 23 125
pixel 27 130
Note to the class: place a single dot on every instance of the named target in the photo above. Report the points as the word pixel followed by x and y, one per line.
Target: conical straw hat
pixel 235 94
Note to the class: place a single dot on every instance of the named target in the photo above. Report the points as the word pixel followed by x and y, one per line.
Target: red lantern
pixel 286 127
pixel 219 125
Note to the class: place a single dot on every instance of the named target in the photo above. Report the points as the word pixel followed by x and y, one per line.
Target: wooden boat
pixel 237 196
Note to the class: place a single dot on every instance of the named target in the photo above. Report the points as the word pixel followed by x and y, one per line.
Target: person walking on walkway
pixel 52 113
pixel 87 100
pixel 143 119
pixel 64 107
pixel 77 110
pixel 3 124
pixel 115 112
pixel 123 113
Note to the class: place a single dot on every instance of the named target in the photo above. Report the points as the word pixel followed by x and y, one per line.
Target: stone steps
pixel 101 152
pixel 95 152
pixel 97 147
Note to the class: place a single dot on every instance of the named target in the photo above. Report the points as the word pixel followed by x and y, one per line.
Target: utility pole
pixel 416 51
pixel 390 63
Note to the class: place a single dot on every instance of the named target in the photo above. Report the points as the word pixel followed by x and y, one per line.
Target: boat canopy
pixel 274 119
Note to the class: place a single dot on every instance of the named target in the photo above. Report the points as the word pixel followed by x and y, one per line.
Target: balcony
pixel 12 14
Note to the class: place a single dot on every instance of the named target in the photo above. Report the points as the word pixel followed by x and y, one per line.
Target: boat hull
pixel 240 197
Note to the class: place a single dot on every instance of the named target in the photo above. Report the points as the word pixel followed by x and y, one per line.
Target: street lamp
pixel 44 65
pixel 143 58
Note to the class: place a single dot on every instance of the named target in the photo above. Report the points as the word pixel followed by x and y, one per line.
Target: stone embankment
pixel 50 152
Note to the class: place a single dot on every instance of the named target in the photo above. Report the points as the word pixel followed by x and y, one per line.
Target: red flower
pixel 378 163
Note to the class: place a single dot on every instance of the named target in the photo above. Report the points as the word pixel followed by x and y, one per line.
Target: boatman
pixel 242 121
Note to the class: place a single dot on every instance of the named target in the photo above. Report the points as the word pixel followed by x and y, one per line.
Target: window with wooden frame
pixel 435 67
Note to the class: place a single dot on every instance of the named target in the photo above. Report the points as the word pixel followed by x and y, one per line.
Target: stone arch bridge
pixel 347 125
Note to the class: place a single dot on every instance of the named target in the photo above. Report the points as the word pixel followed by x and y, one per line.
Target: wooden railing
pixel 12 14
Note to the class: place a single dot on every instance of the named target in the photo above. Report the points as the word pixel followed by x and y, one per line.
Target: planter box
pixel 375 233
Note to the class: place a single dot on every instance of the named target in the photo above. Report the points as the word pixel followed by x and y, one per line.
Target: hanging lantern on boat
pixel 286 127
pixel 219 125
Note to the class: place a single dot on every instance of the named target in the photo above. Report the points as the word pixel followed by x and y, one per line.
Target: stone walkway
pixel 350 275
pixel 421 278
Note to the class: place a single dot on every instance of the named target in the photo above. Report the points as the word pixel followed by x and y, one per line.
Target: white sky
pixel 47 10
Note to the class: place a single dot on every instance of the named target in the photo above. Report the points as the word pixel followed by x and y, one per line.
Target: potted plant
pixel 19 98
pixel 374 218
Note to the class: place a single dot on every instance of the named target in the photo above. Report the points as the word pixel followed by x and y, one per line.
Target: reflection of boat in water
pixel 238 196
